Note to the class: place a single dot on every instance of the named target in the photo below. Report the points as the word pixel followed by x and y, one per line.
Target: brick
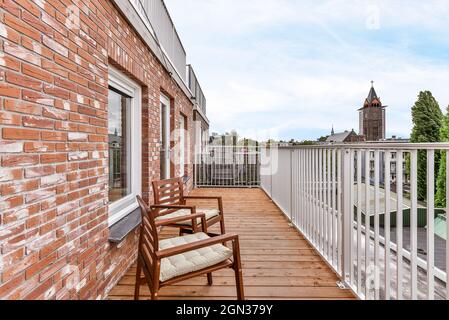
pixel 21 214
pixel 39 195
pixel 37 73
pixel 55 113
pixel 55 46
pixel 9 34
pixel 54 68
pixel 10 174
pixel 78 156
pixel 39 171
pixel 11 146
pixel 20 134
pixel 10 119
pixel 14 188
pixel 11 285
pixel 37 97
pixel 21 27
pixel 32 17
pixel 21 53
pixel 7 90
pixel 53 158
pixel 40 265
pixel 19 160
pixel 22 107
pixel 11 202
pixel 37 122
pixel 37 147
pixel 53 180
pixel 77 136
pixel 23 81
pixel 39 291
pixel 54 136
pixel 9 62
pixel 56 92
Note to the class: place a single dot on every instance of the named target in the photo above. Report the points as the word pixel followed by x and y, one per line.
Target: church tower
pixel 372 117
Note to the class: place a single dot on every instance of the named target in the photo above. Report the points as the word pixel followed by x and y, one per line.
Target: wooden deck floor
pixel 277 262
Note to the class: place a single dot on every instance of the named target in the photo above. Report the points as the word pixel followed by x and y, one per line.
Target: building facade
pixel 344 137
pixel 372 122
pixel 92 100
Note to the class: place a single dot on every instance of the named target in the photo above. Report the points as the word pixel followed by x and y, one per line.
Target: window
pixel 182 144
pixel 165 137
pixel 124 133
pixel 119 156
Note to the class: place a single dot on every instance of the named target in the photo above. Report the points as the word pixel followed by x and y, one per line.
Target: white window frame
pixel 182 143
pixel 164 100
pixel 121 208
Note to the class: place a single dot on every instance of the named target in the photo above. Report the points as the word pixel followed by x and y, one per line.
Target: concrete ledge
pixel 124 227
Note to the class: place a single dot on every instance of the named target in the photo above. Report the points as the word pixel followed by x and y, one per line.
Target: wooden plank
pixel 278 263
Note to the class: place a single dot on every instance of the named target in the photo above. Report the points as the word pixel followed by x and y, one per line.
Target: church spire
pixel 372 95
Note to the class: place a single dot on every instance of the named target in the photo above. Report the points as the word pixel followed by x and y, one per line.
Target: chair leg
pixel 238 270
pixel 222 226
pixel 209 279
pixel 154 291
pixel 137 285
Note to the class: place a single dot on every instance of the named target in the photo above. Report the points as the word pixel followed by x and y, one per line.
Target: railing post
pixel 346 208
pixel 291 186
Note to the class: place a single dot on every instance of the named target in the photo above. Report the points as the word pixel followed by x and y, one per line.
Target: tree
pixel 427 117
pixel 307 143
pixel 323 138
pixel 440 198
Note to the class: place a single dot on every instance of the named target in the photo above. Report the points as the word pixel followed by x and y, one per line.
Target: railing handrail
pixel 370 146
pixel 327 199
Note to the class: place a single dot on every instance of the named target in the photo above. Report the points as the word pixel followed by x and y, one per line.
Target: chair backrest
pixel 149 241
pixel 168 192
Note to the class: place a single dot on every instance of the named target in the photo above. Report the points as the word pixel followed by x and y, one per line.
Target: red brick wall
pixel 53 145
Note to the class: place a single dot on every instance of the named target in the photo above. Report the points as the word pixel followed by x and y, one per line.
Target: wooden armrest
pixel 203 197
pixel 195 245
pixel 218 198
pixel 158 206
pixel 193 217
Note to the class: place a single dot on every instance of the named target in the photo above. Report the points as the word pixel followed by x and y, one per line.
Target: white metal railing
pixel 155 16
pixel 364 217
pixel 227 166
pixel 196 90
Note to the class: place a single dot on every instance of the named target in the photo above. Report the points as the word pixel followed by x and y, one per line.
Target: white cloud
pixel 299 66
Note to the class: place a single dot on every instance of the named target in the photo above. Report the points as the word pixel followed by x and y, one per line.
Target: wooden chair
pixel 173 260
pixel 170 202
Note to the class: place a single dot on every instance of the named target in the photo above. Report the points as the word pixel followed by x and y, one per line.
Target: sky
pixel 290 69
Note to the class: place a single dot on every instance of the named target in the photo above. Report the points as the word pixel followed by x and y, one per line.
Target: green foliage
pixel 323 138
pixel 440 198
pixel 307 143
pixel 427 118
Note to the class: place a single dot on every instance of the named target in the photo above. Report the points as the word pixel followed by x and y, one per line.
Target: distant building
pixel 344 137
pixel 372 117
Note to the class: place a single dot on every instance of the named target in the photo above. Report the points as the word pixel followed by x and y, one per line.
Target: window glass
pixel 119 141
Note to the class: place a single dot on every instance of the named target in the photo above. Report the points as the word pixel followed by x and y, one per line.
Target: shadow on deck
pixel 278 263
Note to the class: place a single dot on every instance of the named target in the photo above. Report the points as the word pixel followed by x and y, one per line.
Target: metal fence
pixel 380 239
pixel 227 166
pixel 196 90
pixel 157 19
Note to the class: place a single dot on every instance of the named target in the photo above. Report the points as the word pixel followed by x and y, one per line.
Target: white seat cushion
pixel 190 261
pixel 210 213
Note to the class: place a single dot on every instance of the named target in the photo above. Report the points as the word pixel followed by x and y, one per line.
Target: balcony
pixel 330 218
pixel 195 88
pixel 278 263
